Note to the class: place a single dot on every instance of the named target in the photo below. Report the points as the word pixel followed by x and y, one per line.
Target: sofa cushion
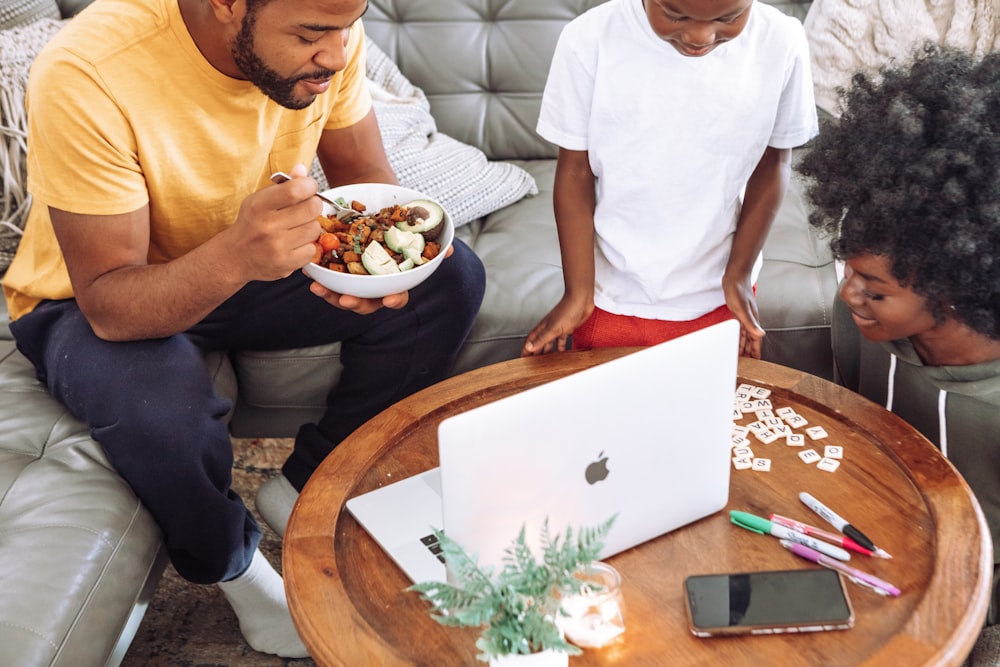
pixel 519 247
pixel 489 99
pixel 796 288
pixel 796 8
pixel 80 554
pixel 70 8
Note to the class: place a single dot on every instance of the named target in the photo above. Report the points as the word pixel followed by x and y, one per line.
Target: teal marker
pixel 763 526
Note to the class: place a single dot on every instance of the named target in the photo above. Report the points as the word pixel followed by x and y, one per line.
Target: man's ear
pixel 228 11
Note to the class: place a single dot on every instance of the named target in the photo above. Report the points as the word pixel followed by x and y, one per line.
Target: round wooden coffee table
pixel 348 600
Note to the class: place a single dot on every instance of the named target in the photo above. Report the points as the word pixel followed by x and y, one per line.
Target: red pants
pixel 604 329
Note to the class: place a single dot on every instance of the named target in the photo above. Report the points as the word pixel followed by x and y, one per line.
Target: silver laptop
pixel 645 436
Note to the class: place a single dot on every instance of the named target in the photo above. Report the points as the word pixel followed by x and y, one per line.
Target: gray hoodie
pixel 955 407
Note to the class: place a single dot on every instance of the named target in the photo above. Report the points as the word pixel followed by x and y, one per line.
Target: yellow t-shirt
pixel 123 110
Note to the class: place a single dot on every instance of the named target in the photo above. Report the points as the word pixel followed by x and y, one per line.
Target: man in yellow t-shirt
pixel 155 235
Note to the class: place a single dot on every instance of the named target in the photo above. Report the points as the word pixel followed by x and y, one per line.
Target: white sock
pixel 258 598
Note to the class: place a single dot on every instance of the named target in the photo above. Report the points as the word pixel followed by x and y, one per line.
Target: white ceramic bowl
pixel 376 196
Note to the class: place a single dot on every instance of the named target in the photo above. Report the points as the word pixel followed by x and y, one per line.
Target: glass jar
pixel 596 615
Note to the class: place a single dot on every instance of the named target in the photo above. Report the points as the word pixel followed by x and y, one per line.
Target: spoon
pixel 344 213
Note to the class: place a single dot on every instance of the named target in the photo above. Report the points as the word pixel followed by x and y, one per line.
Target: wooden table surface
pixel 348 601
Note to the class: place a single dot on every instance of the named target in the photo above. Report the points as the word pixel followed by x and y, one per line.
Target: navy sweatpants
pixel 152 407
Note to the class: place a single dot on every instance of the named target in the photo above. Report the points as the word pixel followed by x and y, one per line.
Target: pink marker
pixel 855 575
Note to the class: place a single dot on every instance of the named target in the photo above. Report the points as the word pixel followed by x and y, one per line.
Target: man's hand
pixel 276 228
pixel 357 304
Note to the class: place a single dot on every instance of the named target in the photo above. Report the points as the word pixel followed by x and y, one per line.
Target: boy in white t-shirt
pixel 675 121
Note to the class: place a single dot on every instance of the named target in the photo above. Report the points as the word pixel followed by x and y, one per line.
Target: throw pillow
pixel 846 36
pixel 18 48
pixel 14 13
pixel 457 175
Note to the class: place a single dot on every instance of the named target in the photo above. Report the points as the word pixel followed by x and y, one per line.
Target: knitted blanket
pixel 850 35
pixel 18 48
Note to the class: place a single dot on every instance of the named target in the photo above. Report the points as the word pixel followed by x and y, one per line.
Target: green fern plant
pixel 518 608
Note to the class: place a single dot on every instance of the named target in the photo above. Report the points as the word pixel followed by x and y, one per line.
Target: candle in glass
pixel 595 615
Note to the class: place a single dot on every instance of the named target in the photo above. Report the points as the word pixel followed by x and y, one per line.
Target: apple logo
pixel 597 470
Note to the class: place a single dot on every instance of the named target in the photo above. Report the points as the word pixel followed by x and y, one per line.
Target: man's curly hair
pixel 911 171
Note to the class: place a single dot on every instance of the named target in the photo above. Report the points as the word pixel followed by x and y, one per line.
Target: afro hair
pixel 911 172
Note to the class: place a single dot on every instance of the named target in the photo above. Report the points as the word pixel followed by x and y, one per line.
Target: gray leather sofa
pixel 80 556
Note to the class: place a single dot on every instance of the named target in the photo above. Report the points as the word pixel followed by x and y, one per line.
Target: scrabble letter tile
pixel 833 452
pixel 829 465
pixel 782 430
pixel 816 432
pixel 809 455
pixel 767 437
pixel 796 421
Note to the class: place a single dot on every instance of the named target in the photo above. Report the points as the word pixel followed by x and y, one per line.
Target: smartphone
pixel 769 602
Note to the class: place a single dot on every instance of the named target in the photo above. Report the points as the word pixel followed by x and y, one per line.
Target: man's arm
pixel 124 298
pixel 355 154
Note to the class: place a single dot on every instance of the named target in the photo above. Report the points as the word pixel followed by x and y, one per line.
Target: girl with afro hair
pixel 906 183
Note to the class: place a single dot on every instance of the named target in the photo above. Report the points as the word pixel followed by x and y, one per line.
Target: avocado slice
pixel 401 240
pixel 413 256
pixel 425 218
pixel 377 261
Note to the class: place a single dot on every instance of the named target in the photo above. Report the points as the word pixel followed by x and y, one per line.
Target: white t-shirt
pixel 672 141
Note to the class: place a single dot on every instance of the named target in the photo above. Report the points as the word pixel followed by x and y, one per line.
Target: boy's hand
pixel 741 301
pixel 553 332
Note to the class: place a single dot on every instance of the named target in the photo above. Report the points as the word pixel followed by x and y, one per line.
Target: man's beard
pixel 278 88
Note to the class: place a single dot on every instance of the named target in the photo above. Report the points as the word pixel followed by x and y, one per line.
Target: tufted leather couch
pixel 80 556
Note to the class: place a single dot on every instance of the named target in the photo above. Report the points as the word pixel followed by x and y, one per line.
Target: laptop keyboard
pixel 433 545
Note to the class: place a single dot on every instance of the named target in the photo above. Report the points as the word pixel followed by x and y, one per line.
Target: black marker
pixel 841 524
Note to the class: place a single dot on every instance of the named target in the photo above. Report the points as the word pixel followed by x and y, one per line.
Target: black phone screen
pixel 782 600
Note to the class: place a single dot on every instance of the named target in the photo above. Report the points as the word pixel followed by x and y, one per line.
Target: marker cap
pixel 750 522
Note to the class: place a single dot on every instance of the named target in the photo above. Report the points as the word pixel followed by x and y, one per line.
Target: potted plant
pixel 518 608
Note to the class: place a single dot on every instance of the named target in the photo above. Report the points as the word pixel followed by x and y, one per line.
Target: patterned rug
pixel 188 625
